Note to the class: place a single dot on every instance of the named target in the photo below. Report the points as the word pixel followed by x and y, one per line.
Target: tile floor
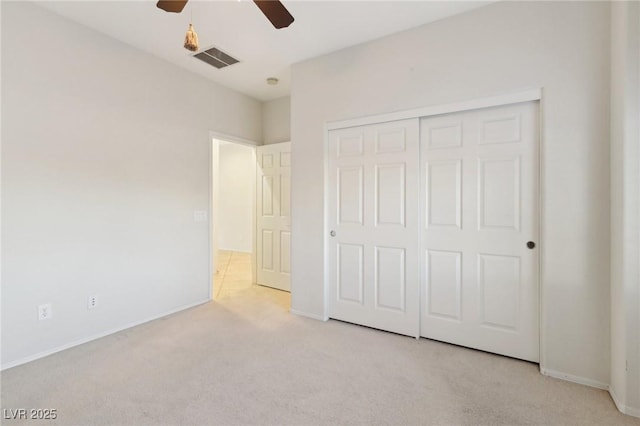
pixel 234 279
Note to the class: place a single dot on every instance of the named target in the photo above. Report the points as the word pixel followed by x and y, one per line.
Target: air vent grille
pixel 216 58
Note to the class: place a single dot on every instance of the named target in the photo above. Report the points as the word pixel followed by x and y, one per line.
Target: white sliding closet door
pixel 373 203
pixel 480 204
pixel 273 205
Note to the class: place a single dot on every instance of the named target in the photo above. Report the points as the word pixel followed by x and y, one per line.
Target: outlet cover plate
pixel 44 311
pixel 92 302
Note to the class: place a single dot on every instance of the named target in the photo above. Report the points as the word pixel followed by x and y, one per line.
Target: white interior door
pixel 273 205
pixel 373 220
pixel 480 203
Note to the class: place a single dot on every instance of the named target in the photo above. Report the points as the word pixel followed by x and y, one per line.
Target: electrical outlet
pixel 44 311
pixel 92 302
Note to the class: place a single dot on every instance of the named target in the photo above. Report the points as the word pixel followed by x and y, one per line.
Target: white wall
pixel 501 48
pixel 105 157
pixel 276 121
pixel 236 197
pixel 625 206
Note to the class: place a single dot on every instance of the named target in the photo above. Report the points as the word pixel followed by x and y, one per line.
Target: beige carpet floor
pixel 244 360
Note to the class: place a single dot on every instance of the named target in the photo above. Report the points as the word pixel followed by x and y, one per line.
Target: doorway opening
pixel 233 184
pixel 239 193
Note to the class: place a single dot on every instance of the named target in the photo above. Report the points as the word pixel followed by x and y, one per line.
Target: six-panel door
pixel 374 263
pixel 273 205
pixel 480 202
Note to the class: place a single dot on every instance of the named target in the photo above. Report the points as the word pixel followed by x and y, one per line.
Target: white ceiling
pixel 240 29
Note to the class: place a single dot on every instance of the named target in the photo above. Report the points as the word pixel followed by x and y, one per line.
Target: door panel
pixel 267 250
pixel 499 283
pixel 444 283
pixel 390 282
pixel 480 198
pixel 267 195
pixel 374 212
pixel 445 133
pixel 444 193
pixel 390 194
pixel 499 193
pixel 350 268
pixel 350 195
pixel 285 195
pixel 285 250
pixel 274 216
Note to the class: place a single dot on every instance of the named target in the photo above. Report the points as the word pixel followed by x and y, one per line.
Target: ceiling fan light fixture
pixel 191 39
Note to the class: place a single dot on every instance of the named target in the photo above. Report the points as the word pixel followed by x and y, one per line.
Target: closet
pixel 433 227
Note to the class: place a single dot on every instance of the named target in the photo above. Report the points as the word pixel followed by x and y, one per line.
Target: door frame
pixel 525 95
pixel 214 137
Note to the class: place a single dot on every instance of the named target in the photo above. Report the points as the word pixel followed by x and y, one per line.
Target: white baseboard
pixel 621 407
pixel 236 250
pixel 308 315
pixel 94 337
pixel 574 379
pixel 630 411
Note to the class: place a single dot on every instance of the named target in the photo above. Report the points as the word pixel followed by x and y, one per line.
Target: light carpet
pixel 244 360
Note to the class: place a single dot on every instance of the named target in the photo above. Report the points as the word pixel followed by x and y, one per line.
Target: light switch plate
pixel 200 216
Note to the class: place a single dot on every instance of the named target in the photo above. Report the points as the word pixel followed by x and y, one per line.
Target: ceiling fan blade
pixel 174 6
pixel 275 12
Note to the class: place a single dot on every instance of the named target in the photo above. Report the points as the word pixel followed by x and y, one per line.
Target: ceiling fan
pixel 272 9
